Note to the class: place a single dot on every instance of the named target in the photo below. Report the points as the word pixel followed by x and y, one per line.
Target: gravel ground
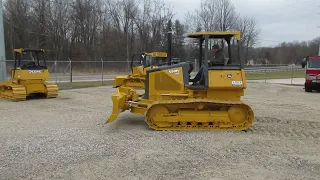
pixel 65 138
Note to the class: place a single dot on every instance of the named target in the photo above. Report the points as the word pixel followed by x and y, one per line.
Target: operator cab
pixel 34 54
pixel 150 59
pixel 223 55
pixel 156 58
pixel 229 62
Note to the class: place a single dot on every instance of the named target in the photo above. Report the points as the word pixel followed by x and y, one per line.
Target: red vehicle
pixel 312 70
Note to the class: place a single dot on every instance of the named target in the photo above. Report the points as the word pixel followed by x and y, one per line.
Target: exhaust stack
pixel 169 50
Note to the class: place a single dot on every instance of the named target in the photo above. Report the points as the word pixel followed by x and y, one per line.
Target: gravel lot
pixel 65 138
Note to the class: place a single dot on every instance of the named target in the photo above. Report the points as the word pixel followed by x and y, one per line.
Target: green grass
pixel 250 76
pixel 275 75
pixel 84 84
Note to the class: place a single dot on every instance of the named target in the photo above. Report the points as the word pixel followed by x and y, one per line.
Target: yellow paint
pixel 20 50
pixel 157 54
pixel 23 83
pixel 179 108
pixel 136 79
pixel 173 105
pixel 42 74
pixel 218 79
pixel 172 78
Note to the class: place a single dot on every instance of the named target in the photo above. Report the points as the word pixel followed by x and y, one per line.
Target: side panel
pixel 171 79
pixel 166 81
pixel 31 74
pixel 227 79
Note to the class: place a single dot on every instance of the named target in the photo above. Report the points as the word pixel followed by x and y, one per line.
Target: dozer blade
pixel 119 101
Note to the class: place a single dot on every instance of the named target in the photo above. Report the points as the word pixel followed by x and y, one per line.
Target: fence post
pixel 102 68
pixel 3 68
pixel 265 75
pixel 70 62
pixel 291 73
pixel 55 70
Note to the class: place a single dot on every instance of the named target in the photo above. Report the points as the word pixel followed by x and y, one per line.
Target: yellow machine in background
pixel 212 102
pixel 137 77
pixel 28 79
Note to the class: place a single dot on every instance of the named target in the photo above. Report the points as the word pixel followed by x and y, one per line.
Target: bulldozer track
pixel 286 128
pixel 52 90
pixel 216 123
pixel 13 92
pixel 16 92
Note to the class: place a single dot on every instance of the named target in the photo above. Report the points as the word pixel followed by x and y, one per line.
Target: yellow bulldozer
pixel 29 79
pixel 138 72
pixel 209 101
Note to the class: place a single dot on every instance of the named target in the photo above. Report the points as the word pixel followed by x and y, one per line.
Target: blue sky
pixel 279 20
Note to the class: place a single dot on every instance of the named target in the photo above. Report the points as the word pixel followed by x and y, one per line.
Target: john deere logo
pixel 229 75
pixel 35 71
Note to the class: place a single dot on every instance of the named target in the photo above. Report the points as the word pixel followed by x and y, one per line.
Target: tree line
pixel 286 52
pixel 87 30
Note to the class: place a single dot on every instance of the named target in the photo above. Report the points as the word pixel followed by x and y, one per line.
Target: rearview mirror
pixel 303 64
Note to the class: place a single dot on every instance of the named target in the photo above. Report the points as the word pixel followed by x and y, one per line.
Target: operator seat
pixel 29 65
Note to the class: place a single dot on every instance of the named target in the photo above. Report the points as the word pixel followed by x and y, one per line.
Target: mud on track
pixel 65 138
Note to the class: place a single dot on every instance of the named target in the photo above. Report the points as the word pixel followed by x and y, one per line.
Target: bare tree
pixel 86 18
pixel 161 15
pixel 151 22
pixel 249 32
pixel 122 13
pixel 225 15
pixel 17 21
pixel 142 22
pixel 204 17
pixel 59 27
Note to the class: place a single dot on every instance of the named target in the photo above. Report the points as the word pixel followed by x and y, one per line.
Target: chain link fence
pixel 67 73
